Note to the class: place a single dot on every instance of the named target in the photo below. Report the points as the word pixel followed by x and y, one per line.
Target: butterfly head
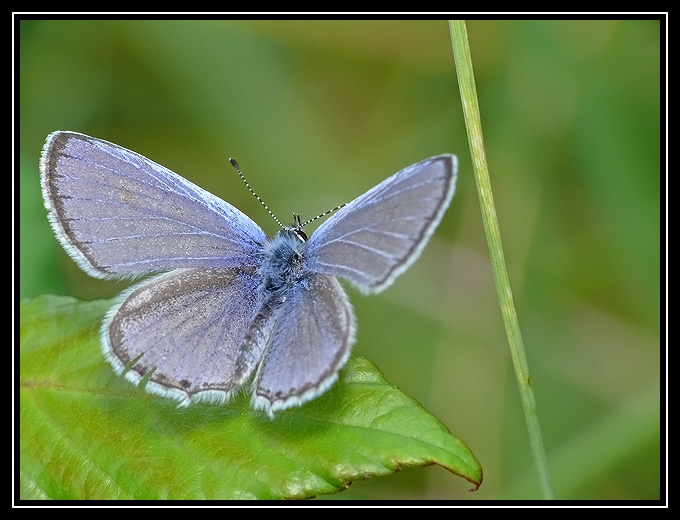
pixel 295 229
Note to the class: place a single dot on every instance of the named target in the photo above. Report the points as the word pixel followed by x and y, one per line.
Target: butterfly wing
pixel 310 342
pixel 380 234
pixel 118 213
pixel 182 332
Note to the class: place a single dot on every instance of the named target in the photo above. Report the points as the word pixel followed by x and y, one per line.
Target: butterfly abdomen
pixel 281 268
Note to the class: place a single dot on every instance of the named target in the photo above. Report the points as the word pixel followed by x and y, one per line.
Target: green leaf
pixel 86 433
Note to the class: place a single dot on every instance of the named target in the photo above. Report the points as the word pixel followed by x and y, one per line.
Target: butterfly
pixel 227 306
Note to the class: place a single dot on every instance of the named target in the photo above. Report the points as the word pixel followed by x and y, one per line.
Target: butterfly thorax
pixel 282 263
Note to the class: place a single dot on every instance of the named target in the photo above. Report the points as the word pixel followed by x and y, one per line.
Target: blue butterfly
pixel 231 306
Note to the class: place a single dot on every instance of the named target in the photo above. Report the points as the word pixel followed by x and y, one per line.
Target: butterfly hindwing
pixel 182 332
pixel 310 342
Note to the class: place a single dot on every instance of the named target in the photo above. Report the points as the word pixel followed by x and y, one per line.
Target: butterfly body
pixel 230 305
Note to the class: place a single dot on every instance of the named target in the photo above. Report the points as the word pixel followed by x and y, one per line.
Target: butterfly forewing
pixel 377 236
pixel 182 331
pixel 117 213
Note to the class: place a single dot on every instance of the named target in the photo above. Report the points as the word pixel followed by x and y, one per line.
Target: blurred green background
pixel 317 112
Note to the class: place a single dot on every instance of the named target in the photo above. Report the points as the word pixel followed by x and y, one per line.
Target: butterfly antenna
pixel 336 208
pixel 238 170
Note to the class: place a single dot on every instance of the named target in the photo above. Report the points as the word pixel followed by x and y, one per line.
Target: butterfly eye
pixel 301 235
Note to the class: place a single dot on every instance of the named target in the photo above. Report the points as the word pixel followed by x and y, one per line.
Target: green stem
pixel 468 94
